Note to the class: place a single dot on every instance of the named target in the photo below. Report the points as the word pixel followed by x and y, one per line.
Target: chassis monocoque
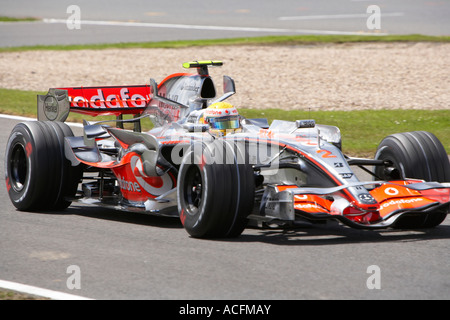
pixel 279 174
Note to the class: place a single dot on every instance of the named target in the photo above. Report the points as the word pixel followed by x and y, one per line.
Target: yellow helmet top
pixel 222 117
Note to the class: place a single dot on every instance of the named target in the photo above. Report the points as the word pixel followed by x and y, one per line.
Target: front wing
pixel 393 200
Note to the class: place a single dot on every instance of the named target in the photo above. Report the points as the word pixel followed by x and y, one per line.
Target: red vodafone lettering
pixel 109 97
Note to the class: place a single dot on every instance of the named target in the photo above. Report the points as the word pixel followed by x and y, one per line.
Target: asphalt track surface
pixel 133 256
pixel 137 20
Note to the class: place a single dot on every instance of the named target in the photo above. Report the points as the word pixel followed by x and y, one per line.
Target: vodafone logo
pixel 155 186
pixel 112 100
pixel 128 185
pixel 306 206
pixel 220 112
pixel 109 97
pixel 390 191
pixel 401 202
pixel 215 112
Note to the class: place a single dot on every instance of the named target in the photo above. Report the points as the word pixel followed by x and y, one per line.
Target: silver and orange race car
pixel 211 167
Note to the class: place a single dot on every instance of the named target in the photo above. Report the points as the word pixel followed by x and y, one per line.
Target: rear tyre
pixel 416 155
pixel 38 176
pixel 215 191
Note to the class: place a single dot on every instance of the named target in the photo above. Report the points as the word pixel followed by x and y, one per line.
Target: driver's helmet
pixel 223 118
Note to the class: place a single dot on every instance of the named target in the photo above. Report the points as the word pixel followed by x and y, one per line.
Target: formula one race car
pixel 211 167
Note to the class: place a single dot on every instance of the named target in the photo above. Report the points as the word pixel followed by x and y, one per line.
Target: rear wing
pixel 94 101
pixel 173 99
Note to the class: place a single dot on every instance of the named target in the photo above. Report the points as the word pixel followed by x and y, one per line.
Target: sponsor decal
pixel 191 87
pixel 311 203
pixel 29 149
pixel 223 112
pixel 326 153
pixel 8 184
pixel 128 185
pixel 155 186
pixel 401 202
pixel 51 108
pixel 366 198
pixel 137 186
pixel 108 97
pixel 171 111
pixel 390 191
pixel 301 206
pixel 404 203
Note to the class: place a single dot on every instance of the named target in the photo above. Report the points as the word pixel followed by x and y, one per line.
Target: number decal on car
pixel 326 153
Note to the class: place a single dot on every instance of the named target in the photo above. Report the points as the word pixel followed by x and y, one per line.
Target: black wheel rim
pixel 18 167
pixel 193 190
pixel 391 171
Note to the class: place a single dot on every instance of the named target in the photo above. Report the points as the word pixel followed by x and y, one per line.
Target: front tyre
pixel 415 155
pixel 38 176
pixel 215 191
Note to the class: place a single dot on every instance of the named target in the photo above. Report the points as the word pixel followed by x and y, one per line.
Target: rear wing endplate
pixel 93 101
pixel 54 106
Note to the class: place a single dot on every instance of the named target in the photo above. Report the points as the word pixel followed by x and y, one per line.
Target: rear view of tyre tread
pixel 50 178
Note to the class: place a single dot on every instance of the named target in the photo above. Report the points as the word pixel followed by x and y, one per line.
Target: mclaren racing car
pixel 213 168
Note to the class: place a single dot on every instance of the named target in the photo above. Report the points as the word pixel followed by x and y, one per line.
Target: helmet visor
pixel 223 123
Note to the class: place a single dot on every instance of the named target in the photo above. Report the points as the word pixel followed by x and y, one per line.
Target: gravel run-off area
pixel 306 77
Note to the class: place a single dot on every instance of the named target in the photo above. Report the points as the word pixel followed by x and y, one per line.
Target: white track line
pixel 214 28
pixel 20 118
pixel 340 16
pixel 35 291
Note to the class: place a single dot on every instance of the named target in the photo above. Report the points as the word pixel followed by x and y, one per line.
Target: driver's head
pixel 222 117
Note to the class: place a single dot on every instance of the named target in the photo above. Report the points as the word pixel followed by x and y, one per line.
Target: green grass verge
pixel 12 19
pixel 267 40
pixel 11 295
pixel 361 130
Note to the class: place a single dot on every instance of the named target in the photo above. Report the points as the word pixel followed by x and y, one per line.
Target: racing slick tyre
pixel 215 191
pixel 38 175
pixel 417 155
